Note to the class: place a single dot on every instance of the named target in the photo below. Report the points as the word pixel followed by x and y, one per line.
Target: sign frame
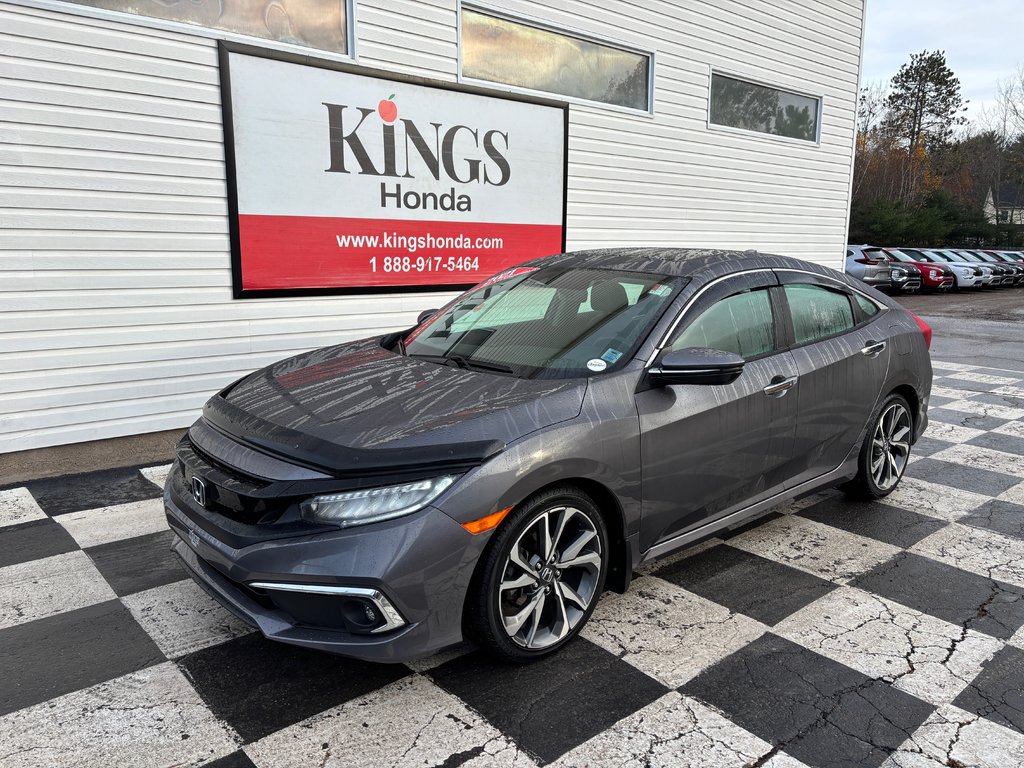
pixel 225 48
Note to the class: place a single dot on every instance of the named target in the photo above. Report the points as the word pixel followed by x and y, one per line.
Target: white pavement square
pixel 18 506
pixel 52 585
pixel 124 521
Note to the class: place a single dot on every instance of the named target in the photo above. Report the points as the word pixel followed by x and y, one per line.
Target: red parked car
pixel 934 277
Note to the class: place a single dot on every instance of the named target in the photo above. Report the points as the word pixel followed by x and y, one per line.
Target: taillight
pixel 866 260
pixel 926 330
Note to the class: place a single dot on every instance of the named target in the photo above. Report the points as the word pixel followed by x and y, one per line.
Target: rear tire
pixel 540 577
pixel 886 450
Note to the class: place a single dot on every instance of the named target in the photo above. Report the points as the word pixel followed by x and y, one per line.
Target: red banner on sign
pixel 318 252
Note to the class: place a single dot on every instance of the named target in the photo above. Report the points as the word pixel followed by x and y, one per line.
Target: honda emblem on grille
pixel 199 491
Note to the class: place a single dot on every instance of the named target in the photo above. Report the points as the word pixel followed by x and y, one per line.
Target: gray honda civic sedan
pixel 488 473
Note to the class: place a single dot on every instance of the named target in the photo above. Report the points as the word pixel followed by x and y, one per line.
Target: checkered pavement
pixel 828 633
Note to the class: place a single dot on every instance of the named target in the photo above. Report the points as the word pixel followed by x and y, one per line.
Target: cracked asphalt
pixel 827 633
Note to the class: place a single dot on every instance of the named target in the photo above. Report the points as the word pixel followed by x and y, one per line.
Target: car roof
pixel 683 262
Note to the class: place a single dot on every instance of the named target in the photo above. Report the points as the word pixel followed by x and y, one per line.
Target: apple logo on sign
pixel 387 109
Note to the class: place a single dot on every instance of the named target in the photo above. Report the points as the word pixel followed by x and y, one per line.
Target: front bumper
pixel 877 281
pixel 906 283
pixel 968 281
pixel 421 565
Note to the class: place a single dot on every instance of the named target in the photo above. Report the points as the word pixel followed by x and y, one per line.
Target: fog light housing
pixel 364 610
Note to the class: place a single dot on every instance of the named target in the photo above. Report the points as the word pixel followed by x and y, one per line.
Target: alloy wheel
pixel 890 446
pixel 550 577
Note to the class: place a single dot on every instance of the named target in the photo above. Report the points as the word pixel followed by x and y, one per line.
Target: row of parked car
pixel 907 270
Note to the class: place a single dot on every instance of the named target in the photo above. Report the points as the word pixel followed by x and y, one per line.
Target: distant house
pixel 1007 207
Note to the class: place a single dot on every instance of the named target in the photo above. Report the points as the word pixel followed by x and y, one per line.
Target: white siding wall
pixel 116 314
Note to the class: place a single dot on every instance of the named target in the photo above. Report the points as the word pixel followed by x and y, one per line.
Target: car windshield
pixel 551 322
pixel 969 256
pixel 899 255
pixel 917 255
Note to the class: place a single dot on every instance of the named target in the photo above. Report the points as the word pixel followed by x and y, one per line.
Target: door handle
pixel 780 386
pixel 873 349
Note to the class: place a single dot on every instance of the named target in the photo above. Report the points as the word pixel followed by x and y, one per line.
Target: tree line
pixel 922 173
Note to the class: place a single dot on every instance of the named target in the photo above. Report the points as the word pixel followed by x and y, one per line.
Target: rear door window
pixel 818 312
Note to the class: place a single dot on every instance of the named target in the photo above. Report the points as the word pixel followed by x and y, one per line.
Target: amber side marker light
pixel 486 523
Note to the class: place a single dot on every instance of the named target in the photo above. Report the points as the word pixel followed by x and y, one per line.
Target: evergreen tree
pixel 924 104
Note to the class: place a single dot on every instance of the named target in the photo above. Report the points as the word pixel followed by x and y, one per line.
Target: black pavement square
pixel 92 490
pixel 750 525
pixel 972 420
pixel 899 527
pixel 1000 516
pixel 997 398
pixel 258 686
pixel 142 562
pixel 948 593
pixel 34 540
pixel 961 477
pixel 970 386
pixel 749 584
pixel 999 442
pixel 49 657
pixel 926 446
pixel 817 710
pixel 237 759
pixel 996 693
pixel 554 704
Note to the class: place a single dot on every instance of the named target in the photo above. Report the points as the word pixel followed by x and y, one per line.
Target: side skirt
pixel 843 472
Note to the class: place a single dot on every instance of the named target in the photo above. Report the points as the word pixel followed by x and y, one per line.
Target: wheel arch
pixel 620 567
pixel 908 393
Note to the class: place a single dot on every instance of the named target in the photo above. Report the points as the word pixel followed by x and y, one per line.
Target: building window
pixel 321 24
pixel 499 50
pixel 753 107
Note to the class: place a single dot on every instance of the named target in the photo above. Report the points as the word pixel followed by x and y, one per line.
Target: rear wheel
pixel 540 577
pixel 885 452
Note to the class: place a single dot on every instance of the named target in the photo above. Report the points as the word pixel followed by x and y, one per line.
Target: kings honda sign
pixel 349 182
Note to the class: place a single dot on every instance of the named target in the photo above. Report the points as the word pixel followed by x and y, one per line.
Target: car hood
pixel 358 408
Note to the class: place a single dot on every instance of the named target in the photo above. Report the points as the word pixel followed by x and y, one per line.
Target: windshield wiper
pixel 482 365
pixel 460 361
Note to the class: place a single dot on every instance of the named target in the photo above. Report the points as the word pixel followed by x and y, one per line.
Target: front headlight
pixel 371 505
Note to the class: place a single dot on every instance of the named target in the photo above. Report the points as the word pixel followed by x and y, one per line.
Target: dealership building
pixel 192 189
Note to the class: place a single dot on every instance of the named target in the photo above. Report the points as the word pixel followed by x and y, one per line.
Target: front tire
pixel 886 451
pixel 540 577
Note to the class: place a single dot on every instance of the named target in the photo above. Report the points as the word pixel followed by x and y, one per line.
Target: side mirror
pixel 424 315
pixel 697 365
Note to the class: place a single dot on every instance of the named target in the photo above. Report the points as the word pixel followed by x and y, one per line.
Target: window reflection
pixel 752 107
pixel 513 53
pixel 317 24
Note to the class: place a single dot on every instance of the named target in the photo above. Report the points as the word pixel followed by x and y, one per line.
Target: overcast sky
pixel 982 40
